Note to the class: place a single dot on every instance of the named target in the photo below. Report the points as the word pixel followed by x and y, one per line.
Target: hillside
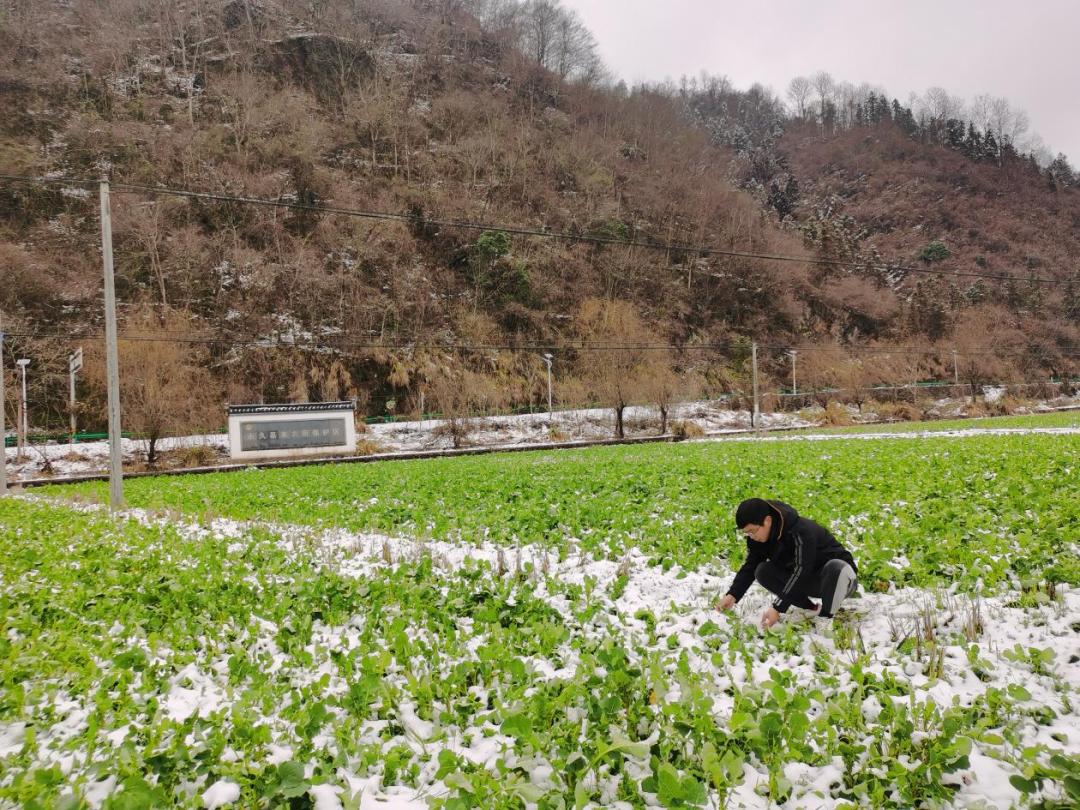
pixel 418 111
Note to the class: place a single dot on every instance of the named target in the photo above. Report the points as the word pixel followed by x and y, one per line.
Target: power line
pixel 132 188
pixel 330 343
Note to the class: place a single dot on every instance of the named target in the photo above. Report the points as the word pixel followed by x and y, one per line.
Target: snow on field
pixel 495 431
pixel 60 460
pixel 667 611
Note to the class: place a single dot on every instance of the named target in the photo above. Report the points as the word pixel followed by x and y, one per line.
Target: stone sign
pixel 288 429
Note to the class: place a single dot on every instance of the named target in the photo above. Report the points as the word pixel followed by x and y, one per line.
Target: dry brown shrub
pixel 898 412
pixel 198 455
pixel 368 447
pixel 686 429
pixel 1009 404
pixel 836 415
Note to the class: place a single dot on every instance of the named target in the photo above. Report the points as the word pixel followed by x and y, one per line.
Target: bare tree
pixel 1007 124
pixel 459 395
pixel 575 53
pixel 165 388
pixel 614 368
pixel 825 86
pixel 799 91
pixel 660 384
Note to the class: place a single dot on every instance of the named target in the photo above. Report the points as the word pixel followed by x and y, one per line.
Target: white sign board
pixel 287 431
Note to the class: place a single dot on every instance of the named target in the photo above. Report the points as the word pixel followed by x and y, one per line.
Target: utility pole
pixel 3 419
pixel 755 417
pixel 74 365
pixel 112 355
pixel 794 385
pixel 22 427
pixel 955 372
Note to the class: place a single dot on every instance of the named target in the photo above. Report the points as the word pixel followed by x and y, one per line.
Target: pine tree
pixel 973 143
pixel 1061 172
pixel 904 119
pixel 954 134
pixel 872 111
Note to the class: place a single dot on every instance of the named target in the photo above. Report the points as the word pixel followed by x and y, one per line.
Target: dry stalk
pixel 973 621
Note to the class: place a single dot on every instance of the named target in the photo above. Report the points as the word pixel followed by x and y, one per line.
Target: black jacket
pixel 797 546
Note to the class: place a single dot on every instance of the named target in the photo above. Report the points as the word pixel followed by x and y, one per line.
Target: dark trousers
pixel 832 583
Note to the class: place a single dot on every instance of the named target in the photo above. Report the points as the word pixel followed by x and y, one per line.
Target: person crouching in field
pixel 793 557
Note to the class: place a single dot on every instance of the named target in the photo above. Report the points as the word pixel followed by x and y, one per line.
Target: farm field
pixel 537 630
pixel 1061 419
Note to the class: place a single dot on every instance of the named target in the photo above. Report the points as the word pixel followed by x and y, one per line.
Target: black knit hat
pixel 753 510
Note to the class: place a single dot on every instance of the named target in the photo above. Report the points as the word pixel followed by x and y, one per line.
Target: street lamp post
pixel 74 366
pixel 547 358
pixel 24 421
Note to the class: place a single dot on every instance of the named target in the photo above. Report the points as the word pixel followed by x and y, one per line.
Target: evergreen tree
pixel 904 119
pixel 783 196
pixel 1061 174
pixel 990 147
pixel 883 109
pixel 873 109
pixel 973 143
pixel 829 114
pixel 954 134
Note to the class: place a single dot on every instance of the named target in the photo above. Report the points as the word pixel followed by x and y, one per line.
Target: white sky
pixel 1028 52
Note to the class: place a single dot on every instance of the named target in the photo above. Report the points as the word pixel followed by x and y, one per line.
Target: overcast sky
pixel 1028 52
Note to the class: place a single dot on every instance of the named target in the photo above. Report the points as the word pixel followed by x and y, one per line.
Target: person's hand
pixel 727 603
pixel 769 617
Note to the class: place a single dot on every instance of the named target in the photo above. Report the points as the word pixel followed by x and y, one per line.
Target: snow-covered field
pixel 61 460
pixel 539 631
pixel 909 657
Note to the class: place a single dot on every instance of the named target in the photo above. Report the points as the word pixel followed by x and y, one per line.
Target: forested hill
pixel 494 114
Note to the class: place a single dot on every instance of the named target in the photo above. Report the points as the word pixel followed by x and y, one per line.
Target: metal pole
pixel 755 417
pixel 21 420
pixel 74 366
pixel 794 385
pixel 25 415
pixel 71 401
pixel 955 372
pixel 112 356
pixel 547 359
pixel 3 421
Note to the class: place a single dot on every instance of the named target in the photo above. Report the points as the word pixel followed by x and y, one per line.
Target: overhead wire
pixel 702 250
pixel 332 343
